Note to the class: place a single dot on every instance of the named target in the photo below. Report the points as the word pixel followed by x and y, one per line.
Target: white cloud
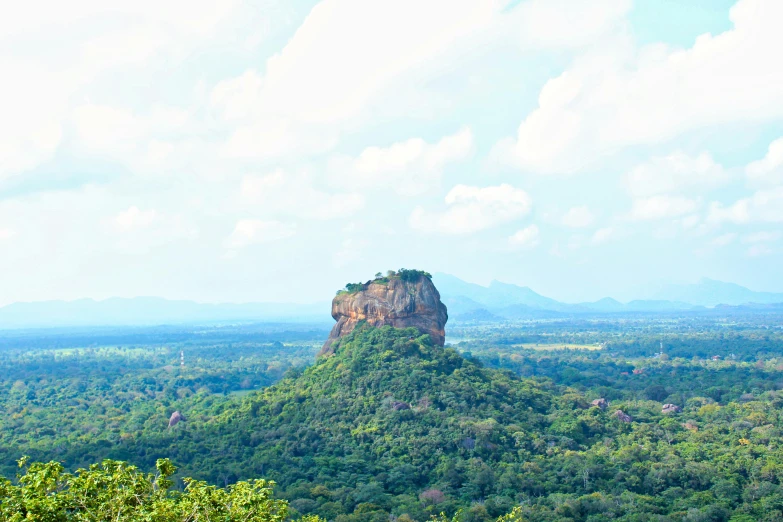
pixel 322 83
pixel 558 24
pixel 762 237
pixel 724 239
pixel 134 219
pixel 299 101
pixel 578 217
pixel 254 231
pixel 675 173
pixel 616 96
pixel 6 233
pixel 161 140
pixel 350 251
pixel 662 207
pixel 294 194
pixel 420 72
pixel 471 209
pixel 759 250
pixel 600 236
pixel 323 76
pixel 267 139
pixel 768 170
pixel 136 230
pixel 603 235
pixel 233 97
pixel 108 129
pixel 525 238
pixel 30 130
pixel 90 231
pixel 174 16
pixel 764 206
pixel 64 48
pixel 691 222
pixel 409 167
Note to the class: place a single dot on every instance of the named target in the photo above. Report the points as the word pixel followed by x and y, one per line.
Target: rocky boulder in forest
pixel 670 408
pixel 402 299
pixel 600 403
pixel 399 405
pixel 175 419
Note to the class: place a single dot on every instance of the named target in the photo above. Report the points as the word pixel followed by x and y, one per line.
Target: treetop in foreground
pixel 117 491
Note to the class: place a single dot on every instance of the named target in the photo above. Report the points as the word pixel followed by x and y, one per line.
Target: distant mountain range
pixel 465 301
pixel 709 292
pixel 469 301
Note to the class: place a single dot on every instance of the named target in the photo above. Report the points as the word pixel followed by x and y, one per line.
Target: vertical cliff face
pixel 401 302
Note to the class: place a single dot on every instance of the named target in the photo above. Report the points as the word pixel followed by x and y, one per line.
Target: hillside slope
pixel 388 413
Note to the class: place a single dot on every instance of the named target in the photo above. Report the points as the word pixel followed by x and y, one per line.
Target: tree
pixel 115 490
pixel 656 393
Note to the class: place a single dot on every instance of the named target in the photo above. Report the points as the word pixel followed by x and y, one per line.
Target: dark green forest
pixel 391 426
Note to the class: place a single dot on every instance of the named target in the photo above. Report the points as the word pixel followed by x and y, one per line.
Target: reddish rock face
pixel 175 419
pixel 397 303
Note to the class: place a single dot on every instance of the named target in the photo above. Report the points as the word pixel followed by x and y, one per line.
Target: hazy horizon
pixel 649 295
pixel 628 295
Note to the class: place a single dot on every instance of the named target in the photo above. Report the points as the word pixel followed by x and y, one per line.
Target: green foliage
pixel 81 405
pixel 409 276
pixel 115 491
pixel 352 288
pixel 412 275
pixel 391 426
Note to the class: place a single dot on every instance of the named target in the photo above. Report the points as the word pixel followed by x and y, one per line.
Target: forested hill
pixel 386 418
pixel 394 425
pixel 389 422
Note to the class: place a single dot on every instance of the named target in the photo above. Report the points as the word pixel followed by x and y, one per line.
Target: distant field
pixel 240 393
pixel 557 346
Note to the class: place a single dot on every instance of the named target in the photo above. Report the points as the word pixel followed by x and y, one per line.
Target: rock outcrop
pixel 670 408
pixel 404 299
pixel 600 403
pixel 622 416
pixel 175 419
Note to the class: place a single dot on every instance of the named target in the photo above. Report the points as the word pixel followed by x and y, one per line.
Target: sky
pixel 235 151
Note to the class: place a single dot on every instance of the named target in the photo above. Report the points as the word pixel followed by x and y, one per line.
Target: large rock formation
pixel 402 300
